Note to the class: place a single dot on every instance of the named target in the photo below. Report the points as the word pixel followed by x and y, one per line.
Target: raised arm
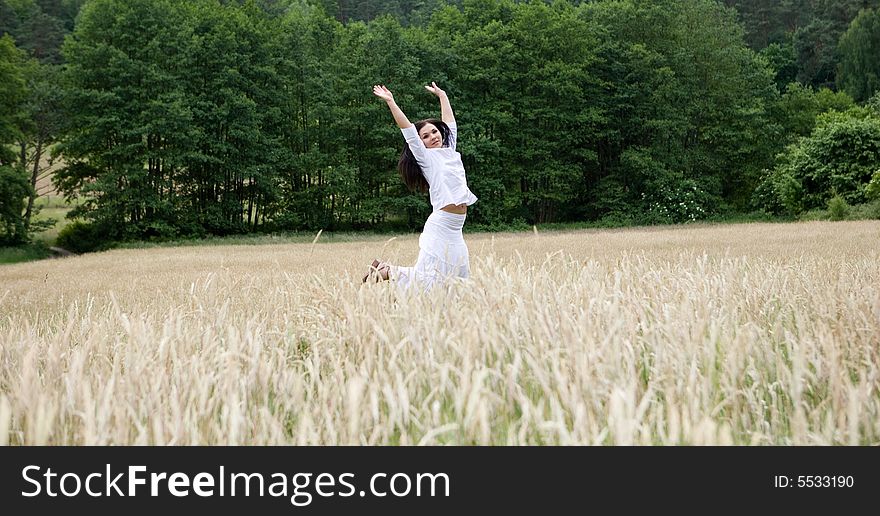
pixel 383 93
pixel 445 108
pixel 408 129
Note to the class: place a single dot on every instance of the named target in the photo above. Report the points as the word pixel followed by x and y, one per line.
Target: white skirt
pixel 442 253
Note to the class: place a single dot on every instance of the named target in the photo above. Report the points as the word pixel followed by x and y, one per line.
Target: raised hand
pixel 383 93
pixel 433 88
pixel 445 108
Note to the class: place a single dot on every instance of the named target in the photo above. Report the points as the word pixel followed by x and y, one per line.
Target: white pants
pixel 442 253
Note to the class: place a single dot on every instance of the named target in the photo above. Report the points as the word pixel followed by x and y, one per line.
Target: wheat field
pixel 751 334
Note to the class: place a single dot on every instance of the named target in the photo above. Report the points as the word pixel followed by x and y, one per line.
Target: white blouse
pixel 442 168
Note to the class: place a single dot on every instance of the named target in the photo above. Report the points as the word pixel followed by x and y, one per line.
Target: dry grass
pixel 746 334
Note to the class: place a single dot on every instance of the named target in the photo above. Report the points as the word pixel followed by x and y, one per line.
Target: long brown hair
pixel 409 169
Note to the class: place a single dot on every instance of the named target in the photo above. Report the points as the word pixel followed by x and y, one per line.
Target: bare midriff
pixel 458 209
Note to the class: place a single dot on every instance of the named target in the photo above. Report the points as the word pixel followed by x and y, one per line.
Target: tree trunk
pixel 38 154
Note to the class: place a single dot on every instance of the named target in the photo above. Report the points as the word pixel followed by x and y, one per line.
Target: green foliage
pixel 797 109
pixel 865 211
pixel 838 209
pixel 676 200
pixel 873 210
pixel 782 59
pixel 14 189
pixel 688 94
pixel 12 94
pixel 527 130
pixel 815 45
pixel 873 104
pixel 174 111
pixel 839 158
pixel 216 117
pixel 14 186
pixel 872 191
pixel 38 27
pixel 780 192
pixel 24 253
pixel 859 71
pixel 812 28
pixel 763 21
pixel 83 237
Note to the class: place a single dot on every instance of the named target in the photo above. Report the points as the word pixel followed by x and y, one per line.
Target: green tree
pixel 314 180
pixel 26 116
pixel 520 78
pixel 37 32
pixel 815 47
pixel 782 59
pixel 859 70
pixel 13 90
pixel 797 109
pixel 689 109
pixel 813 27
pixel 125 115
pixel 39 122
pixel 762 21
pixel 380 52
pixel 14 189
pixel 557 124
pixel 470 44
pixel 174 111
pixel 839 158
pixel 233 90
pixel 13 183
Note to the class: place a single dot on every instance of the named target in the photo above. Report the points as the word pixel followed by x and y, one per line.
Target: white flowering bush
pixel 676 202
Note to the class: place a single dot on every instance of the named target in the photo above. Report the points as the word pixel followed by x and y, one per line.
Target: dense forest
pixel 190 118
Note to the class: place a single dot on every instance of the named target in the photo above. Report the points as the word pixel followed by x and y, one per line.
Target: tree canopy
pixel 186 118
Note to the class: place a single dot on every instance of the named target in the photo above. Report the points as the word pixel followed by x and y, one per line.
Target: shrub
pixel 82 237
pixel 873 210
pixel 838 209
pixel 838 158
pixel 676 202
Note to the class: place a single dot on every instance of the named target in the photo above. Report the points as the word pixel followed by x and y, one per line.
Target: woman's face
pixel 431 136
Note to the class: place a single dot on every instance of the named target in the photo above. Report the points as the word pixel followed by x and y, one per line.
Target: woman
pixel 429 162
